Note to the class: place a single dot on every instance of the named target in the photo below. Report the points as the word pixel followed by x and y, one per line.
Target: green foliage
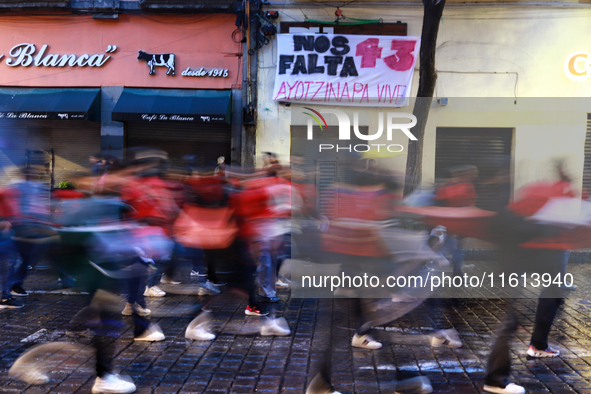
pixel 66 185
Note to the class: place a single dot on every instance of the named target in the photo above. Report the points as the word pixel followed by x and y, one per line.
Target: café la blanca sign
pixel 26 55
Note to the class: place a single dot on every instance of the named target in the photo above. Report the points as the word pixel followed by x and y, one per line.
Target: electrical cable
pixel 367 22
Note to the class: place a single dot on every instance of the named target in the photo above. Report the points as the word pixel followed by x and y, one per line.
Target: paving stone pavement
pixel 252 363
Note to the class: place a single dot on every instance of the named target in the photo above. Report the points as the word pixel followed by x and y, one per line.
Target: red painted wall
pixel 196 40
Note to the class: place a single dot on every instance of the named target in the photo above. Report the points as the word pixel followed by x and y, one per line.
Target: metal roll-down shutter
pixel 489 149
pixel 587 165
pixel 328 166
pixel 207 141
pixel 72 143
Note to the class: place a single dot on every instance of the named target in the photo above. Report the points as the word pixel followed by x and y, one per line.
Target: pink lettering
pixel 335 95
pixel 281 89
pixel 401 93
pixel 291 88
pixel 300 83
pixel 365 93
pixel 317 90
pixel 355 88
pixel 381 93
pixel 345 88
pixel 369 52
pixel 307 87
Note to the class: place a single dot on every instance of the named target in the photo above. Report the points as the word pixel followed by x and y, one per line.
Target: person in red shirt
pixel 457 192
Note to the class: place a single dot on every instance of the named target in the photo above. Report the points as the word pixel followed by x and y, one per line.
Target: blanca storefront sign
pixel 38 115
pixel 161 117
pixel 179 118
pixel 345 69
pixel 24 55
pixel 577 66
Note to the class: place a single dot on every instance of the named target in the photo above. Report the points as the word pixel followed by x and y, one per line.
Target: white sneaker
pixel 112 384
pixel 199 329
pixel 446 338
pixel 207 289
pixel 281 284
pixel 34 377
pixel 276 327
pixel 152 334
pixel 549 352
pixel 154 291
pixel 128 310
pixel 318 386
pixel 142 311
pixel 168 281
pixel 416 385
pixel 365 342
pixel 511 388
pixel 200 333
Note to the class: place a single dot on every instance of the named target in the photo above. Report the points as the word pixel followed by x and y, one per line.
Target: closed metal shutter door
pixel 329 166
pixel 207 141
pixel 72 142
pixel 489 149
pixel 327 174
pixel 587 165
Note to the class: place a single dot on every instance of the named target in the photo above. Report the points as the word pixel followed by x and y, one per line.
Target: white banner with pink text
pixel 351 70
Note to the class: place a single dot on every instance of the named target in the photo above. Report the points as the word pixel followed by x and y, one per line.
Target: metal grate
pixel 489 149
pixel 207 141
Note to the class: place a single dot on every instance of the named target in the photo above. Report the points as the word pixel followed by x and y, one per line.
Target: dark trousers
pixel 30 253
pixel 499 361
pixel 136 284
pixel 7 261
pixel 545 314
pixel 248 270
pixel 540 261
pixel 212 259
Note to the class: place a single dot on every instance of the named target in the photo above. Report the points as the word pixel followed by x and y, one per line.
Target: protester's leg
pixel 284 250
pixel 7 261
pixel 211 260
pixel 197 259
pixel 550 263
pixel 170 265
pixel 104 354
pixel 458 258
pixel 266 272
pixel 133 292
pixel 140 324
pixel 248 269
pixel 18 272
pixel 545 314
pixel 499 361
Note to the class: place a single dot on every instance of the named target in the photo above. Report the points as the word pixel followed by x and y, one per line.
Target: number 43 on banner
pixel 401 60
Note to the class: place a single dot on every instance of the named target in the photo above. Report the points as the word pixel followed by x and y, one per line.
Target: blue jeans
pixel 267 270
pixel 453 246
pixel 30 253
pixel 167 267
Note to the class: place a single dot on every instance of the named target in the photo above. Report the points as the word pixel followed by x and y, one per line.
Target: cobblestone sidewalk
pixel 235 363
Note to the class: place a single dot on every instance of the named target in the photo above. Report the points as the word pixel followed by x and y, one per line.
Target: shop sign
pixel 180 118
pixel 168 60
pixel 353 70
pixel 43 115
pixel 577 66
pixel 158 60
pixel 25 55
pixel 203 72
